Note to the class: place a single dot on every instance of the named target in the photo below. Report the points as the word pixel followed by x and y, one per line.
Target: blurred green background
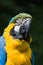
pixel 10 8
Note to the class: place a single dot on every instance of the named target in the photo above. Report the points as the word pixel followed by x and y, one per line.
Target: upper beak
pixel 24 29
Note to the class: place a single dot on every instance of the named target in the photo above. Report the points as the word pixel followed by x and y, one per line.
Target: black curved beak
pixel 24 29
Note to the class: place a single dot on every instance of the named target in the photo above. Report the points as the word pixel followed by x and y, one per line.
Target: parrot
pixel 15 42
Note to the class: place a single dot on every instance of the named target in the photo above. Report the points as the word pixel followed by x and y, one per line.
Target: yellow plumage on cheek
pixel 18 52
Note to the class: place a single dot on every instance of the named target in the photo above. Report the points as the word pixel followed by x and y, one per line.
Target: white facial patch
pixel 17 28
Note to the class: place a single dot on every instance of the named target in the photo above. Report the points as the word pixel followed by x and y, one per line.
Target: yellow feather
pixel 18 52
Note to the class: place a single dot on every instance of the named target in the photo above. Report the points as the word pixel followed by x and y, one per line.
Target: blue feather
pixel 2 51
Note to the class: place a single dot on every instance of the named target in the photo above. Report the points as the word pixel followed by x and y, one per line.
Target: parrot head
pixel 22 26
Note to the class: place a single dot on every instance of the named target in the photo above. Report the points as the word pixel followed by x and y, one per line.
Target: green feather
pixel 21 15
